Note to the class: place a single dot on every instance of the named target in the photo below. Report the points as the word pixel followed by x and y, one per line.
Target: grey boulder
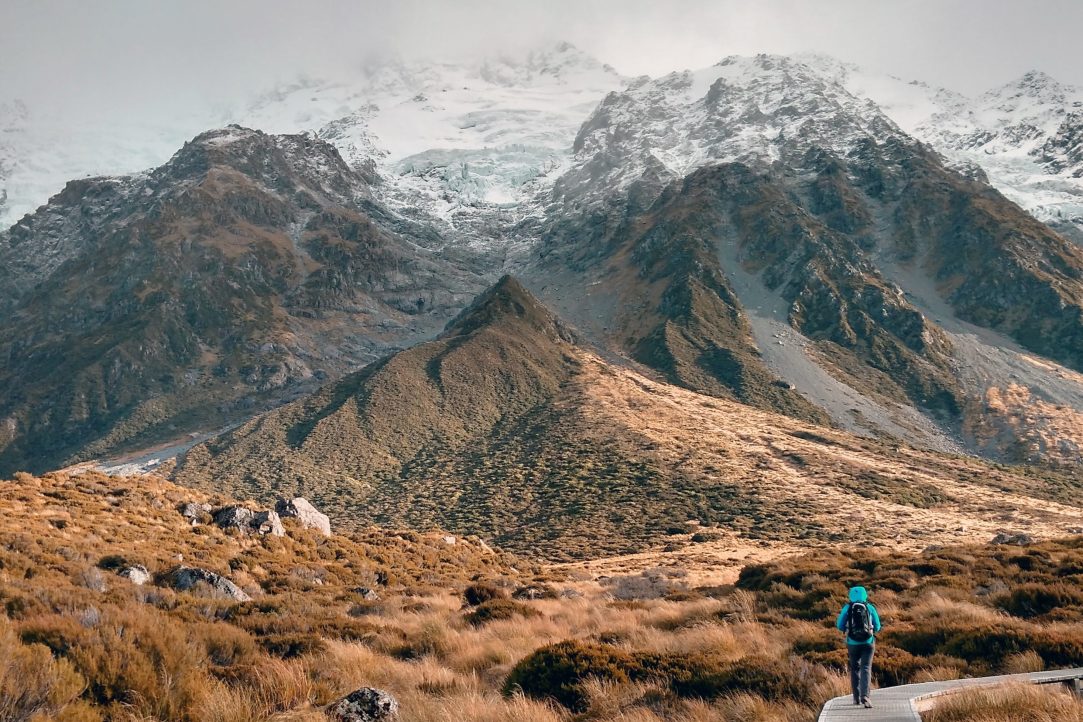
pixel 184 579
pixel 367 704
pixel 194 512
pixel 135 573
pixel 307 515
pixel 268 522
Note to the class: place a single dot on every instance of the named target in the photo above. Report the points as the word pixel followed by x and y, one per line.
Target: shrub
pixel 293 644
pixel 498 609
pixel 480 592
pixel 772 679
pixel 893 666
pixel 1035 600
pixel 558 671
pixel 112 562
pixel 133 657
pixel 227 645
pixel 33 684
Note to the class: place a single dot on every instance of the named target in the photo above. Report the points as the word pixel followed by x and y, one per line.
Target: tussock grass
pixel 111 651
pixel 1022 703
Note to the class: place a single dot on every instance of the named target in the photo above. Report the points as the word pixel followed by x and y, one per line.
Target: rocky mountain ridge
pixel 248 267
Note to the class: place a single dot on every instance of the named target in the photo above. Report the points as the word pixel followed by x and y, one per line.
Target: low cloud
pixel 146 58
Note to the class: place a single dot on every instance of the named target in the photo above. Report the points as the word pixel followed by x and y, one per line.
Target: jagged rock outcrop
pixel 245 270
pixel 306 515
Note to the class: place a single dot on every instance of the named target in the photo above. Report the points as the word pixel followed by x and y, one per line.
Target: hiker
pixel 860 621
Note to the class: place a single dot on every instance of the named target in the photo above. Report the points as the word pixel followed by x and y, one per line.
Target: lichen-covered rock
pixel 184 579
pixel 136 573
pixel 367 704
pixel 194 512
pixel 306 514
pixel 268 522
pixel 235 517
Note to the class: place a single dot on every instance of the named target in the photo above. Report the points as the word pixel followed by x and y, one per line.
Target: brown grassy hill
pixel 81 643
pixel 240 273
pixel 505 428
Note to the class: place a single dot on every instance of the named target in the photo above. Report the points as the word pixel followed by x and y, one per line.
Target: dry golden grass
pixel 1023 703
pixel 81 644
pixel 1012 422
pixel 611 470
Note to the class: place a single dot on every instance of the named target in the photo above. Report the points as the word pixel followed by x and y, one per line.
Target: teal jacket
pixel 858 594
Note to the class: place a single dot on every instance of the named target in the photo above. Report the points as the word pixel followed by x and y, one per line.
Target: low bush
pixel 1035 600
pixel 767 677
pixel 498 609
pixel 480 592
pixel 558 671
pixel 35 685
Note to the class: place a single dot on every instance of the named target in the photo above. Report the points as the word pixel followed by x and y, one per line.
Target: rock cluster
pixel 1017 539
pixel 267 521
pixel 249 522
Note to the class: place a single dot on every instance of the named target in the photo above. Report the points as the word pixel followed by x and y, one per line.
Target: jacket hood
pixel 858 594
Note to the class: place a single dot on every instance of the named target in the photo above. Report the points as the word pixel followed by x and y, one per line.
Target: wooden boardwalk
pixel 902 704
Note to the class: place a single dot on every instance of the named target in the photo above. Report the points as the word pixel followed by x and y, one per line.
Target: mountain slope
pixel 507 428
pixel 841 243
pixel 1022 137
pixel 140 308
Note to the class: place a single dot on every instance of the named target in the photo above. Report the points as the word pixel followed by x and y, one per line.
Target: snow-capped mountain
pixel 41 151
pixel 758 110
pixel 450 138
pixel 447 137
pixel 1025 136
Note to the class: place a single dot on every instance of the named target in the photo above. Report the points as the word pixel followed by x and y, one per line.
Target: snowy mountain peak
pixel 560 63
pixel 1038 84
pixel 757 110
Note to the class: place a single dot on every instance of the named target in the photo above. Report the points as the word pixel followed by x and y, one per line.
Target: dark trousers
pixel 860 669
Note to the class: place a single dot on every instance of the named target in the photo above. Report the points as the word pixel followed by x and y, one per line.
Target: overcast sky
pixel 133 54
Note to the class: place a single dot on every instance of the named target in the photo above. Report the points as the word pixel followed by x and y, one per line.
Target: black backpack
pixel 859 622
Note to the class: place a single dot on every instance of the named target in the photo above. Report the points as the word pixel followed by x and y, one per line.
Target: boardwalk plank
pixel 899 704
